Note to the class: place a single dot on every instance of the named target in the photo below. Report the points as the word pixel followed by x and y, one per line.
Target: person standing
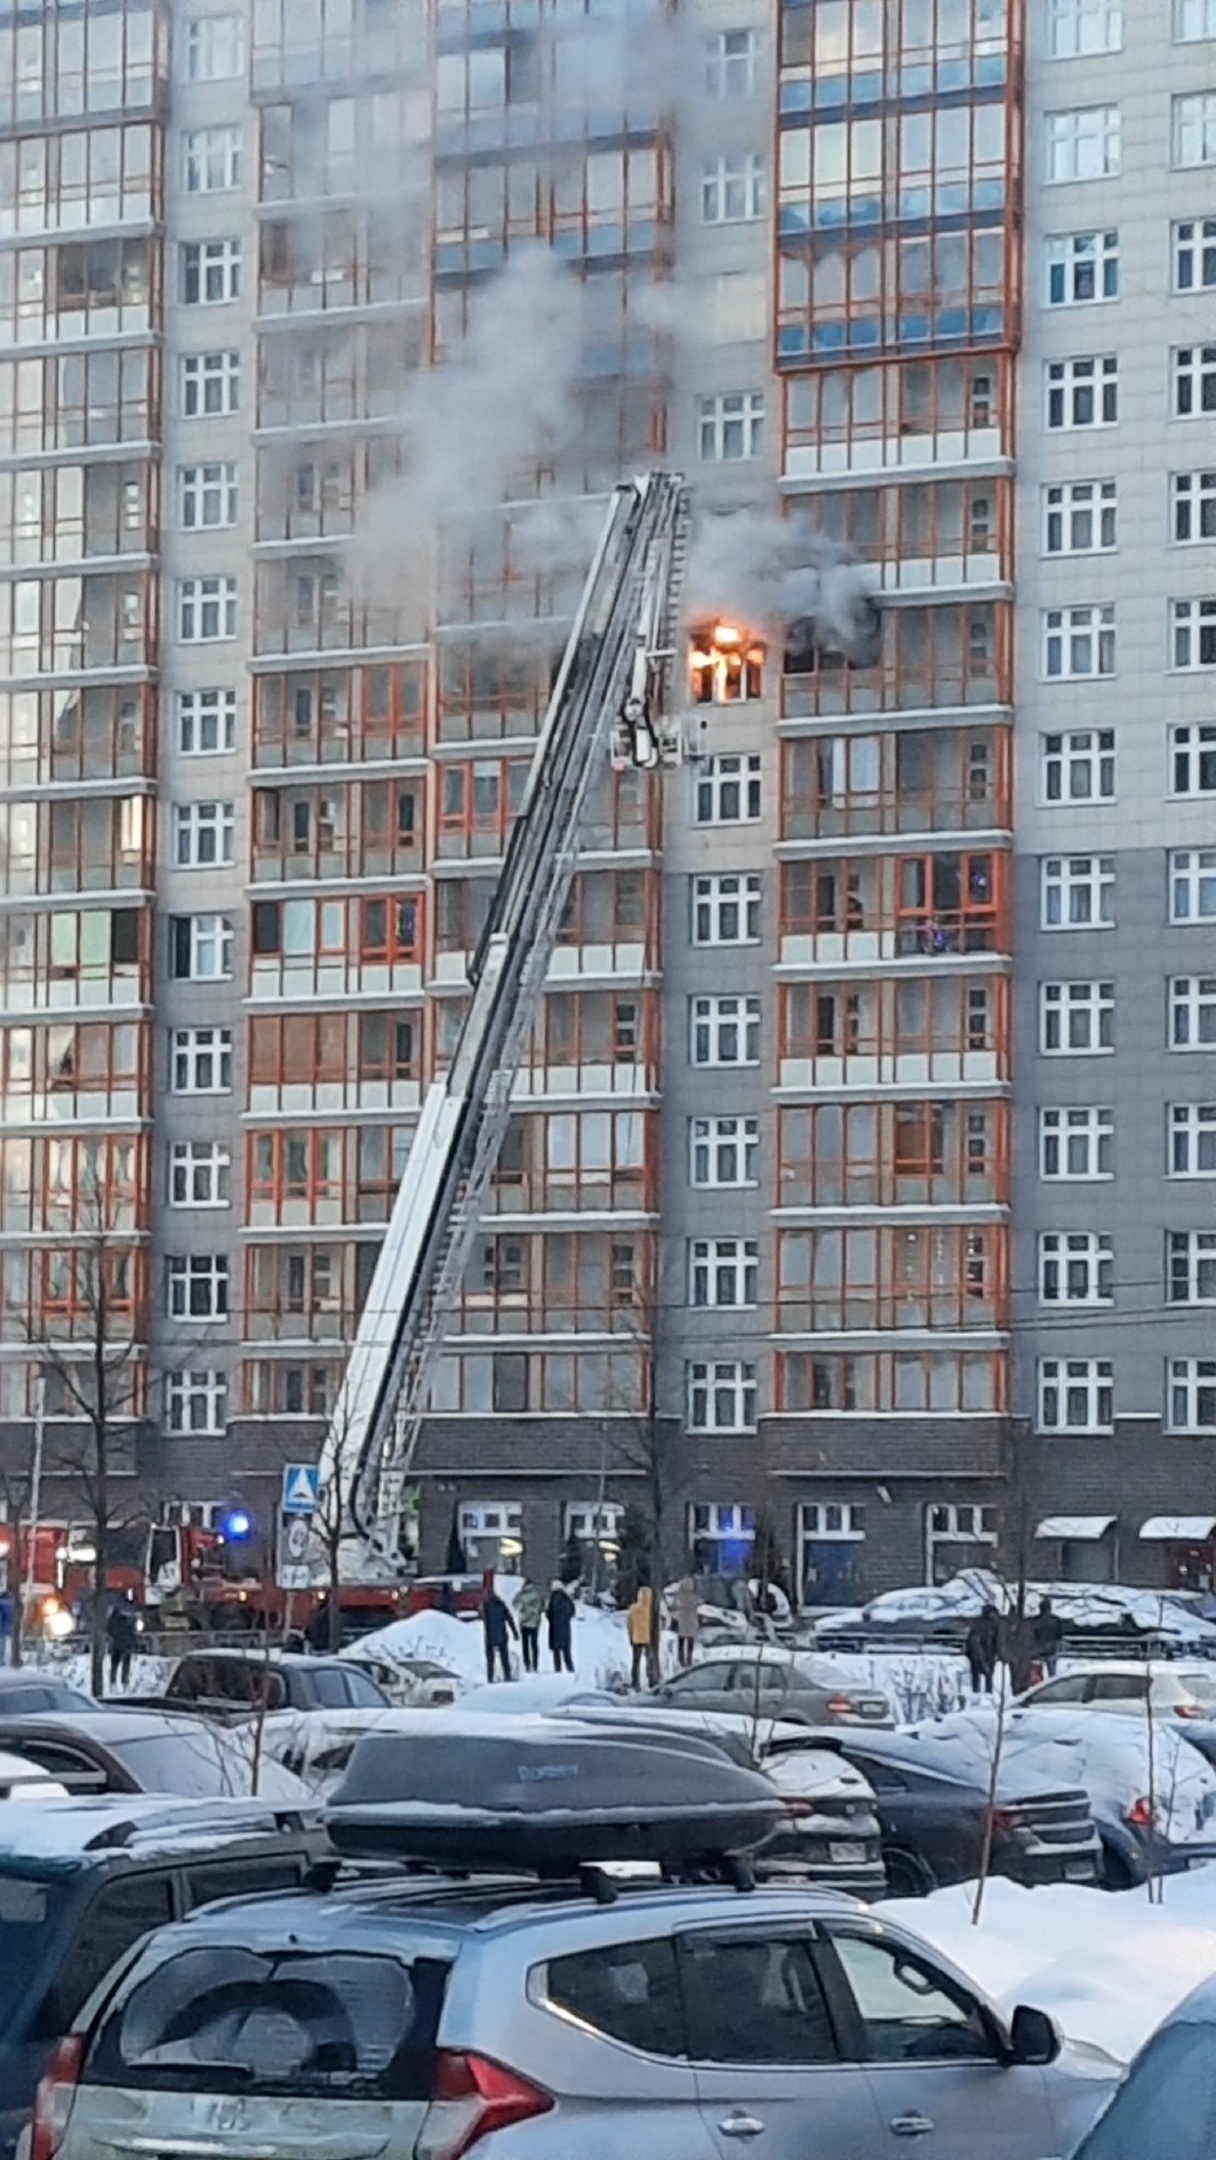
pixel 120 1634
pixel 1048 1636
pixel 497 1621
pixel 560 1614
pixel 983 1640
pixel 688 1619
pixel 529 1606
pixel 7 1611
pixel 641 1644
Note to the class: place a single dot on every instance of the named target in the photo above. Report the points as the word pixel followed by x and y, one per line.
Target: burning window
pixel 727 665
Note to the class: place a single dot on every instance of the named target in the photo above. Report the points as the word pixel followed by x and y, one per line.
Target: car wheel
pixel 908 1875
pixel 1118 1872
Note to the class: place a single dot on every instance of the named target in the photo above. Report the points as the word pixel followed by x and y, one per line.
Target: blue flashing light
pixel 237 1525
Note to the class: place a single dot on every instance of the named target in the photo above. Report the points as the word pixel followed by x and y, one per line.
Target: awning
pixel 1078 1529
pixel 1178 1529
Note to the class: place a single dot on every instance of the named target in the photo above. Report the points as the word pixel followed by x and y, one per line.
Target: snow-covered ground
pixel 600 1652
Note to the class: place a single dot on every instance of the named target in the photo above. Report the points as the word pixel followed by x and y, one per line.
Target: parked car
pixel 289 1680
pixel 1183 1691
pixel 1165 2108
pixel 155 1751
pixel 27 1691
pixel 446 2020
pixel 409 1682
pixel 82 1881
pixel 760 1680
pixel 933 1806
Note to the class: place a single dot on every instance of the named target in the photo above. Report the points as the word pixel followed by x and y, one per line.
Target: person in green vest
pixel 529 1606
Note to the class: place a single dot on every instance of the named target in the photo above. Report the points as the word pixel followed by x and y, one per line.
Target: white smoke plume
pixel 770 572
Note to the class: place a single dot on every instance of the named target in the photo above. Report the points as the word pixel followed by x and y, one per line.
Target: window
pixel 1083 144
pixel 202 1061
pixel 629 1990
pixel 722 1396
pixel 1191 1267
pixel 1076 1144
pixel 1194 19
pixel 1078 891
pixel 726 1031
pixel 1194 129
pixel 1192 754
pixel 1082 266
pixel 733 190
pixel 204 834
pixel 1078 642
pixel 206 721
pixel 198 1287
pixel 214 48
pixel 1192 1142
pixel 1195 254
pixel 1192 1001
pixel 211 384
pixel 196 1402
pixel 1083 393
pixel 909 2011
pixel 731 425
pixel 1193 506
pixel 509 1381
pixel 206 610
pixel 723 1271
pixel 1078 766
pixel 198 1174
pixel 1192 1394
pixel 211 272
pixel 724 1151
pixel 754 1998
pixel 201 947
pixel 1080 517
pixel 730 64
pixel 1076 1267
pixel 1194 380
pixel 211 160
pixel 728 790
pixel 1075 1017
pixel 1193 885
pixel 1193 643
pixel 1076 1395
pixel 206 496
pixel 725 910
pixel 1077 27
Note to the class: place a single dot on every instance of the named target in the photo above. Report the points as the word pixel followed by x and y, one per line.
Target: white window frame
pixel 1190 1137
pixel 1192 1012
pixel 213 48
pixel 1080 517
pixel 723 1273
pixel 1076 1145
pixel 721 1395
pixel 1077 892
pixel 1194 381
pixel 491 1518
pixel 1079 643
pixel 1191 1395
pixel 196 1404
pixel 1192 635
pixel 206 610
pixel 1193 508
pixel 723 1153
pixel 1190 1267
pixel 1077 260
pixel 199 1174
pixel 206 722
pixel 198 1288
pixel 211 159
pixel 728 789
pixel 832 1521
pixel 1076 28
pixel 1191 751
pixel 1070 759
pixel 726 908
pixel 1193 130
pixel 208 497
pixel 734 190
pixel 1192 885
pixel 717 1021
pixel 1081 1258
pixel 730 58
pixel 1193 246
pixel 1194 20
pixel 730 426
pixel 211 943
pixel 213 268
pixel 593 1522
pixel 204 835
pixel 210 385
pixel 1086 381
pixel 1083 142
pixel 192 1048
pixel 1062 1003
pixel 1061 1381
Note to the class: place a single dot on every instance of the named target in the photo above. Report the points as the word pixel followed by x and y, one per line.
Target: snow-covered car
pixel 153 1751
pixel 1165 2108
pixel 762 1679
pixel 24 1780
pixel 1127 1685
pixel 408 1682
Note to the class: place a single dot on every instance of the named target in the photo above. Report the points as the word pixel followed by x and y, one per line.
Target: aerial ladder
pixel 611 696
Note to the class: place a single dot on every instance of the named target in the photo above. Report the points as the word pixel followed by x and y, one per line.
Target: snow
pixel 600 1648
pixel 1080 1605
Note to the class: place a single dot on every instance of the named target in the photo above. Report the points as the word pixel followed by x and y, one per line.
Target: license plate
pixel 846 1849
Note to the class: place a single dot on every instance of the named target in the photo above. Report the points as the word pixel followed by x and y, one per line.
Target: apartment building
pixel 842 1192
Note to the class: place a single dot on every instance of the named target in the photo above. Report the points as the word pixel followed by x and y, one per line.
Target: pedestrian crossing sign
pixel 301 1488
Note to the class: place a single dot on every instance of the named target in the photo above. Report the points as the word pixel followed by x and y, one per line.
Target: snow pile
pixel 601 1645
pixel 924 1684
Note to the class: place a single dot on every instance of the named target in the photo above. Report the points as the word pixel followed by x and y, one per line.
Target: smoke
pixel 772 572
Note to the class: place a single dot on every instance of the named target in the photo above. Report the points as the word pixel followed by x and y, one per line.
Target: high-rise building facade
pixel 860 1178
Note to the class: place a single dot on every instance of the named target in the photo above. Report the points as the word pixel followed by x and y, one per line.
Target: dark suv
pixel 234 1680
pixel 82 1880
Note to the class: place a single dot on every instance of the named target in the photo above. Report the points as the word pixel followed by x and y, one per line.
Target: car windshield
pixel 197 1764
pixel 29 1915
pixel 1166 2110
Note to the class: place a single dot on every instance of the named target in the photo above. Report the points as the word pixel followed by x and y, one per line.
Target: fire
pixel 726 663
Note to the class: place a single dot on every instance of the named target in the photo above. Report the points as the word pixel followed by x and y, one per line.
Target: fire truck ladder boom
pixel 611 688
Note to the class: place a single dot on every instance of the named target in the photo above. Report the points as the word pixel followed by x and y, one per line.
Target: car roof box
pixel 547 1801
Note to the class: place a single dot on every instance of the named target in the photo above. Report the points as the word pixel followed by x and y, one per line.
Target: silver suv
pixel 442 2021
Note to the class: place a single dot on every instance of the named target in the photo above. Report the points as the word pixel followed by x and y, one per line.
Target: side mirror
pixel 1034 2038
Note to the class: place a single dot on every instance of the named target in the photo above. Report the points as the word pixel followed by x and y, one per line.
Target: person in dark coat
pixel 1048 1636
pixel 120 1634
pixel 983 1642
pixel 559 1613
pixel 498 1621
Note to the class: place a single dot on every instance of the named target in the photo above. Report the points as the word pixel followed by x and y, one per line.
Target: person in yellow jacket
pixel 641 1622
